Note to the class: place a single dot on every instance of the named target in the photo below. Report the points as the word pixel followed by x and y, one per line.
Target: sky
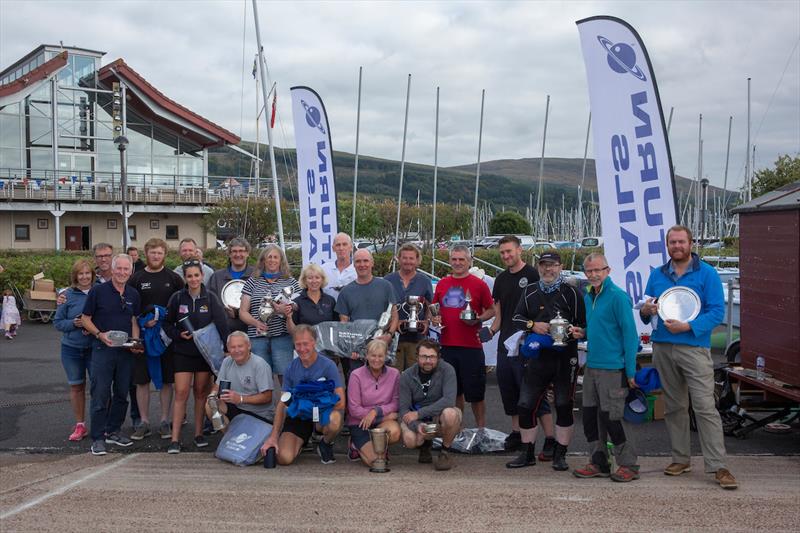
pixel 201 55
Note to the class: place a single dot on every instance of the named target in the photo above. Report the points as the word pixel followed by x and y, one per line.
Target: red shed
pixel 769 260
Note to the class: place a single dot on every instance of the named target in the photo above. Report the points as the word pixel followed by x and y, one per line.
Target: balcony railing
pixel 104 187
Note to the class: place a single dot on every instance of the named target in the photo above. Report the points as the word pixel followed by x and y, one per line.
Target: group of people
pixel 423 393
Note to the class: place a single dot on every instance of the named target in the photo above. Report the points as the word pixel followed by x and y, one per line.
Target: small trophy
pixel 380 443
pixel 559 329
pixel 468 314
pixel 217 421
pixel 265 312
pixel 383 322
pixel 286 297
pixel 413 305
pixel 430 428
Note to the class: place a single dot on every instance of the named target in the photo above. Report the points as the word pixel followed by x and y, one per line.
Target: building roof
pixel 41 73
pixel 782 199
pixel 145 99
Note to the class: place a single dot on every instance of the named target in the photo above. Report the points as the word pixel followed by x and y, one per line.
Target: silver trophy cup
pixel 413 305
pixel 380 443
pixel 468 313
pixel 383 322
pixel 559 330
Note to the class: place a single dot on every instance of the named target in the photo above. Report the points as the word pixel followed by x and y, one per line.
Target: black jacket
pixel 205 309
pixel 542 307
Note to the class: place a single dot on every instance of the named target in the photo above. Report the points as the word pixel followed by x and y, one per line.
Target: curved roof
pixel 30 80
pixel 149 101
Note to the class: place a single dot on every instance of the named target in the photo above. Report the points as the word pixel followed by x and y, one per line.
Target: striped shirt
pixel 257 289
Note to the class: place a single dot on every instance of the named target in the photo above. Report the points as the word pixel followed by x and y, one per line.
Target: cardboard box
pixel 44 285
pixel 43 295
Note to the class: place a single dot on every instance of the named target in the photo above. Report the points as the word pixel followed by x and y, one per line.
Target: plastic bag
pixel 210 344
pixel 476 441
pixel 242 442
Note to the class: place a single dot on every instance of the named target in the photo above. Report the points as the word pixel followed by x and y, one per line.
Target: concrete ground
pixel 195 492
pixel 50 484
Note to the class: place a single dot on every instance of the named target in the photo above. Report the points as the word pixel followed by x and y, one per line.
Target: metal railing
pixel 104 187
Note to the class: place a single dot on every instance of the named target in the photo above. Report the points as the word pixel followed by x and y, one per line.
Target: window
pixel 132 232
pixel 22 232
pixel 172 232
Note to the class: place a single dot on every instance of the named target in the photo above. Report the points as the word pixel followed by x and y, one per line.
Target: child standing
pixel 10 319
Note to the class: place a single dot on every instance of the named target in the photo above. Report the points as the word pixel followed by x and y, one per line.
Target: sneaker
pixel 325 452
pixel 98 447
pixel 345 432
pixel 425 456
pixel 174 447
pixel 79 432
pixel 676 469
pixel 512 442
pixel 118 439
pixel 352 452
pixel 547 451
pixel 208 427
pixel 726 479
pixel 200 441
pixel 141 431
pixel 592 470
pixel 443 462
pixel 165 430
pixel 625 474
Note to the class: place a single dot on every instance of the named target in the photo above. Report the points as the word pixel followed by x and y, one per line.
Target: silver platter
pixel 679 303
pixel 232 293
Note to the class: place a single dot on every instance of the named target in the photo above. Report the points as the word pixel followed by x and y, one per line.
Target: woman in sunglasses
pixel 189 309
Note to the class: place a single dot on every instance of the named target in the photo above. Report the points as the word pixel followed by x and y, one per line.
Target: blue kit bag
pixel 242 442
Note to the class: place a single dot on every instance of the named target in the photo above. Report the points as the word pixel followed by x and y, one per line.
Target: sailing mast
pixel 541 174
pixel 402 170
pixel 477 175
pixel 355 167
pixel 435 178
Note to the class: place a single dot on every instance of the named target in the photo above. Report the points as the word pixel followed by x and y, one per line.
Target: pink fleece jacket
pixel 365 393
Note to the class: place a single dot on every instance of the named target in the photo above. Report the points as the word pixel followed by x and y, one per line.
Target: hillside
pixel 504 183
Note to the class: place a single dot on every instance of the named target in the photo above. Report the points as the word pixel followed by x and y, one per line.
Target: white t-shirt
pixel 336 278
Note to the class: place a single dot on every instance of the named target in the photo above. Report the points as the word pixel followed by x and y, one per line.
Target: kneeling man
pixel 250 381
pixel 428 396
pixel 312 404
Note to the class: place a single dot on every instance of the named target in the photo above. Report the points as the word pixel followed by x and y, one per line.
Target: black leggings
pixel 558 368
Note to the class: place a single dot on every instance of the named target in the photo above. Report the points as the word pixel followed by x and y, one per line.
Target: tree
pixel 509 223
pixel 787 170
pixel 251 218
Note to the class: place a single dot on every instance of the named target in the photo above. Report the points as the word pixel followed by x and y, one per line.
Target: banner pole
pixel 273 167
pixel 355 168
pixel 477 176
pixel 435 180
pixel 402 170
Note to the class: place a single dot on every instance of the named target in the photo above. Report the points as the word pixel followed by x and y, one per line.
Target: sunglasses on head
pixel 191 263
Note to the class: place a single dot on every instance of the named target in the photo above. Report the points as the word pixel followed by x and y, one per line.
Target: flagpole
pixel 273 167
pixel 435 178
pixel 402 170
pixel 355 167
pixel 541 174
pixel 477 176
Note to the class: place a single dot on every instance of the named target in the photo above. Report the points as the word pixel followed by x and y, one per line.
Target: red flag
pixel 272 118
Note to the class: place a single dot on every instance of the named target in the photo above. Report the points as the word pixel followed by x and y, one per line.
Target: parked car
pixel 490 241
pixel 540 245
pixel 358 245
pixel 567 244
pixel 591 242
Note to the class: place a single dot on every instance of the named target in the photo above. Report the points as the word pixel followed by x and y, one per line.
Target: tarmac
pixel 51 484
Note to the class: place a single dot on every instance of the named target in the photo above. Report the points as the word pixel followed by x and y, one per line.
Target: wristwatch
pixel 529 325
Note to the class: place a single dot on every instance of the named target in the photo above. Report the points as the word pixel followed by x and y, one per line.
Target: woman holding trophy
pixel 372 403
pixel 190 309
pixel 266 302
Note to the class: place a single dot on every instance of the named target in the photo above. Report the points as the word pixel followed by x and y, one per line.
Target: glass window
pixel 41 159
pixel 132 232
pixel 84 70
pixel 138 164
pixel 164 143
pixel 139 140
pixel 10 131
pixel 39 132
pixel 11 158
pixel 22 232
pixel 165 165
pixel 191 166
pixel 172 233
pixel 10 109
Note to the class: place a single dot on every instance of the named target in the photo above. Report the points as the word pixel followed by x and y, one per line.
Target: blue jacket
pixel 66 313
pixel 704 280
pixel 610 329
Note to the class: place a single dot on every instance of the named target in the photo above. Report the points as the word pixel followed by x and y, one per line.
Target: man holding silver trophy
pixel 689 306
pixel 227 283
pixel 413 290
pixel 548 309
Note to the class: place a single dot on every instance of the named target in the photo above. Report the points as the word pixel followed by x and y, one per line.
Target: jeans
pixel 111 373
pixel 77 362
pixel 278 351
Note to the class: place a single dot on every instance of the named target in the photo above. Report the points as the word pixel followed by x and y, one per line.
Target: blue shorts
pixel 278 352
pixel 359 437
pixel 77 363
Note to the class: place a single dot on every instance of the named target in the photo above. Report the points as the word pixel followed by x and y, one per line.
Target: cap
pixel 550 256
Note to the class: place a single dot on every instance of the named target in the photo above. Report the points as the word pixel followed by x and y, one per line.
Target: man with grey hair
pixel 610 368
pixel 111 306
pixel 250 380
pixel 461 346
pixel 341 271
pixel 188 250
pixel 238 253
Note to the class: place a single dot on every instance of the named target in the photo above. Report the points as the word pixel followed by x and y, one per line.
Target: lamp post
pixel 122 143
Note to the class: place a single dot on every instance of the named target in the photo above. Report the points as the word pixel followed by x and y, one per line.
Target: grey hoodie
pixel 441 393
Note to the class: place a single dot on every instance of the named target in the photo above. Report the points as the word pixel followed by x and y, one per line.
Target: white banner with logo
pixel 315 183
pixel 635 182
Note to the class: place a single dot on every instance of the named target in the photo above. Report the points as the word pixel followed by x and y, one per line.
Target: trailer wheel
pixel 732 354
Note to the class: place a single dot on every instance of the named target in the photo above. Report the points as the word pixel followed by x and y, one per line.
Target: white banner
pixel 315 183
pixel 634 168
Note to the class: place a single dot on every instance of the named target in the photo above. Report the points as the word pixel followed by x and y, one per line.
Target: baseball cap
pixel 550 256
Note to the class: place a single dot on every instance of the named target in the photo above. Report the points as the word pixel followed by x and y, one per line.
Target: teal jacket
pixel 610 329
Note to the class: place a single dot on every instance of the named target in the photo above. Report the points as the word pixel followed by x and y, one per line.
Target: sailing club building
pixel 61 111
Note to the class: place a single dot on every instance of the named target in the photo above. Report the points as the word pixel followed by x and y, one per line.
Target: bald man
pixel 341 271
